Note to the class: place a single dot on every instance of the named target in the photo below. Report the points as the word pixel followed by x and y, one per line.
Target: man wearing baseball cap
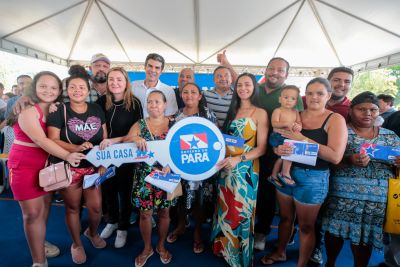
pixel 99 66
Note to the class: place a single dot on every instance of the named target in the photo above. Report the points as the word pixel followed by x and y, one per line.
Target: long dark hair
pixel 202 102
pixel 236 101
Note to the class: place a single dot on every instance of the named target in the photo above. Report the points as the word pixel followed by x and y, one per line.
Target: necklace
pixel 365 134
pixel 156 130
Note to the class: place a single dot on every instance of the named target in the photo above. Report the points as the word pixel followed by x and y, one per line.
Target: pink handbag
pixel 56 176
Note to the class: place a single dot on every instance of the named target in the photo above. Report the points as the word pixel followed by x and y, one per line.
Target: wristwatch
pixel 243 158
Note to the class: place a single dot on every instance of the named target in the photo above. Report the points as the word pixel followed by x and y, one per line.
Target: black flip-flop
pixel 283 179
pixel 274 181
pixel 269 260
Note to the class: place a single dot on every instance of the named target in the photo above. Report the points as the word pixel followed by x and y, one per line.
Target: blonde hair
pixel 128 95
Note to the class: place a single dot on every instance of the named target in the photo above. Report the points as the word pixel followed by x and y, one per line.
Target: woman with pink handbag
pixel 28 156
pixel 77 126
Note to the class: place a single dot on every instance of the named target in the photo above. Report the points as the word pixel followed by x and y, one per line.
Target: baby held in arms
pixel 285 117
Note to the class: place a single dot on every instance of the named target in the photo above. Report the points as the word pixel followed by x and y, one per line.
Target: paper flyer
pixel 303 152
pixel 167 182
pixel 96 179
pixel 380 152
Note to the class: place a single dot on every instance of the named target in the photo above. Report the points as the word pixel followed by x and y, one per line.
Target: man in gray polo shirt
pixel 153 66
pixel 219 99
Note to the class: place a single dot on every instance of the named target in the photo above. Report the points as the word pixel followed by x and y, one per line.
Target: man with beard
pixel 99 67
pixel 269 92
pixel 153 66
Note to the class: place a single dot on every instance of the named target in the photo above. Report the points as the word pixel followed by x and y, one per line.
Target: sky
pixel 12 65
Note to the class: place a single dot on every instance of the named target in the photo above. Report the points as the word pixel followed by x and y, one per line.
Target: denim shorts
pixel 276 139
pixel 311 186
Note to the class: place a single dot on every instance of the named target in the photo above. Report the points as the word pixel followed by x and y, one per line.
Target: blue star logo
pixel 151 154
pixel 193 143
pixel 140 153
pixel 370 151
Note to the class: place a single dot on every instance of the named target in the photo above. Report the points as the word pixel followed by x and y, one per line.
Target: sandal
pixel 165 256
pixel 141 259
pixel 269 259
pixel 286 180
pixel 78 254
pixel 172 237
pixel 273 180
pixel 198 247
pixel 96 240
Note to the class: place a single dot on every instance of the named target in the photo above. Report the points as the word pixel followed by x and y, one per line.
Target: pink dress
pixel 25 162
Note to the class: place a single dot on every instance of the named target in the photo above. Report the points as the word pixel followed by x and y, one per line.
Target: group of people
pixel 106 108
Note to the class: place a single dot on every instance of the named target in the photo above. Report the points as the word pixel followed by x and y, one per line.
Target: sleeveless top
pixel 19 133
pixel 320 136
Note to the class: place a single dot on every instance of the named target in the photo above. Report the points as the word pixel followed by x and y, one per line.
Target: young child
pixel 288 118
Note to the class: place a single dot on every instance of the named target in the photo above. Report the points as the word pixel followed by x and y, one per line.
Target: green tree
pixel 395 72
pixel 378 81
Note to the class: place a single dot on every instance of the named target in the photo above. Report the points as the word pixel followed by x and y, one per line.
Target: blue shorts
pixel 276 139
pixel 311 186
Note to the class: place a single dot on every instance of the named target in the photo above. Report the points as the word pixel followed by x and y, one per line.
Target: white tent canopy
pixel 310 34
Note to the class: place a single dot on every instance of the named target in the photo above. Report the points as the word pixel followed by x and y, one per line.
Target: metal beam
pixel 251 30
pixel 22 50
pixel 113 31
pixel 324 30
pixel 81 24
pixel 41 20
pixel 147 31
pixel 196 20
pixel 288 28
pixel 359 18
pixel 377 63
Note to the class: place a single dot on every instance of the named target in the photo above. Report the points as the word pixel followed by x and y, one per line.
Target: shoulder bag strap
pixel 65 121
pixel 148 128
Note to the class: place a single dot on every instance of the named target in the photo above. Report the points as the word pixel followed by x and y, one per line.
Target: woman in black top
pixel 83 128
pixel 304 200
pixel 122 110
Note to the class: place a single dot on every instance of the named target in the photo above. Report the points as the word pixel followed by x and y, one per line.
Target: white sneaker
pixel 120 241
pixel 259 241
pixel 108 230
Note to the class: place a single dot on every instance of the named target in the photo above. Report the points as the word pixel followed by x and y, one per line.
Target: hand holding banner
pixel 192 149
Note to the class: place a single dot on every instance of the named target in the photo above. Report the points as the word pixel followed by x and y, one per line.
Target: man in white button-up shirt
pixel 153 66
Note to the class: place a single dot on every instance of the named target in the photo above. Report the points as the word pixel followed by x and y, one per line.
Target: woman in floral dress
pixel 145 196
pixel 356 203
pixel 233 227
